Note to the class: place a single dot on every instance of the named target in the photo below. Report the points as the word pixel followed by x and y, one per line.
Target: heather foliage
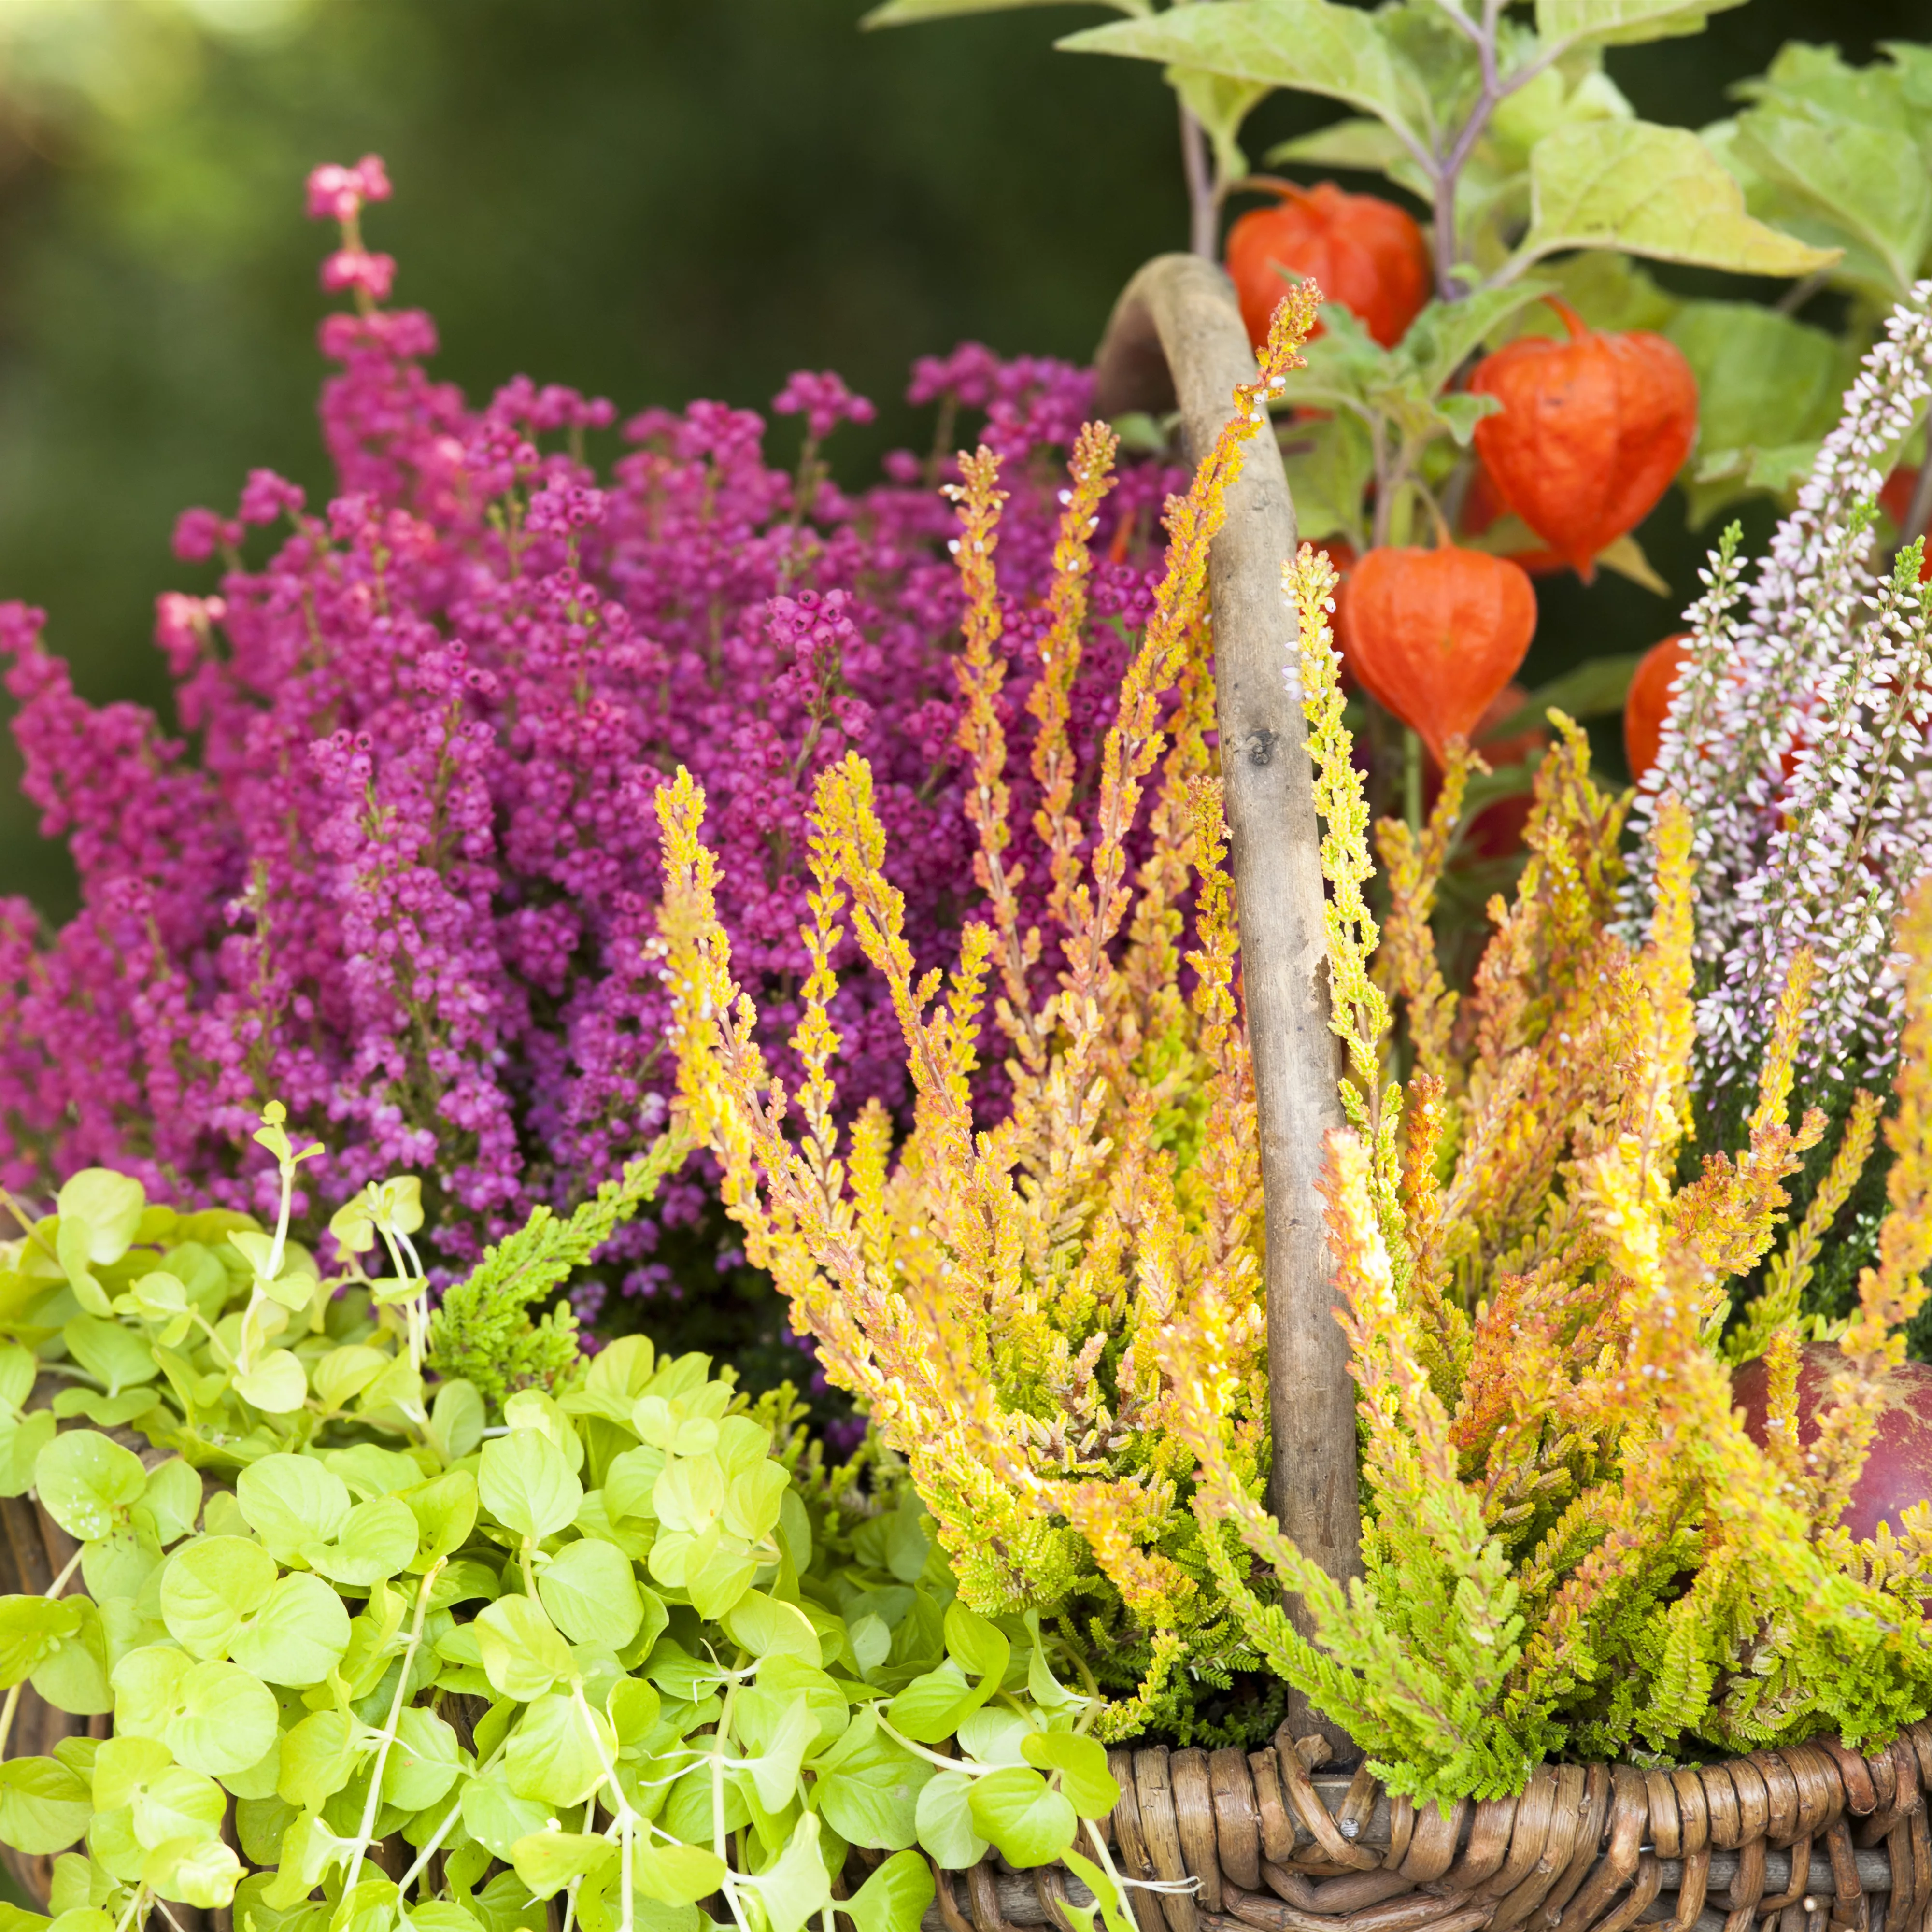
pixel 397 858
pixel 1571 1543
pixel 995 1287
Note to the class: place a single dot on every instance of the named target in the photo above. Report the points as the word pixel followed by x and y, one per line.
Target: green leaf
pixel 290 1501
pixel 527 1485
pixel 630 1482
pixel 522 1651
pixel 423 1762
pixel 319 1755
pixel 456 1420
pixel 74 1678
pixel 297 1637
pixel 1220 105
pixel 171 1502
pixel 720 1577
pixel 84 1481
pixel 31 1629
pixel 110 1206
pixel 690 1494
pixel 774 1771
pixel 1330 460
pixel 276 1384
pixel 796 1884
pixel 1870 181
pixel 763 1707
pixel 147 1685
pixel 496 1817
pixel 1106 1893
pixel 210 1587
pixel 1596 689
pixel 1764 382
pixel 440 1915
pixel 975 1643
pixel 379 1541
pixel 1045 1690
pixel 339 1376
pixel 944 1819
pixel 767 1627
pixel 868 1787
pixel 445 1512
pixel 110 1352
pixel 1442 338
pixel 1313 46
pixel 201 1872
pixel 124 1767
pixel 260 1823
pixel 994 1735
pixel 1462 413
pixel 894 1899
pixel 1649 191
pixel 547 1860
pixel 226 1721
pixel 553 1754
pixel 591 1592
pixel 1028 1824
pixel 1081 1763
pixel 753 1499
pixel 1608 23
pixel 676 1874
pixel 1371 146
pixel 20 1445
pixel 930 1707
pixel 44 1806
pixel 1625 556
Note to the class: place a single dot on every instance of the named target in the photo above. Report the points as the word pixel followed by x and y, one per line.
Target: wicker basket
pixel 1789 1841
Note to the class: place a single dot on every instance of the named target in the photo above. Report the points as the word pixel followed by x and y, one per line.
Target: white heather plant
pixel 1798 738
pixel 618 1642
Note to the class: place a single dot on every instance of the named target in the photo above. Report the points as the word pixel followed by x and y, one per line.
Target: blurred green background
pixel 652 199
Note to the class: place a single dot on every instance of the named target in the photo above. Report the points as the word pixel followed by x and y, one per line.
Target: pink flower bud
pixel 265 496
pixel 334 192
pixel 199 533
pixel 374 275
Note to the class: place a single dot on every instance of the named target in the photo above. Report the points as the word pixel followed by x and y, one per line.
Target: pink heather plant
pixel 397 866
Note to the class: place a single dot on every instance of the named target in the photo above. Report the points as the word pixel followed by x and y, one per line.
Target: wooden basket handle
pixel 1176 336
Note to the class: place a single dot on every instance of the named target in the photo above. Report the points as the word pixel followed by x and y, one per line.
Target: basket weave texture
pixel 1802 1840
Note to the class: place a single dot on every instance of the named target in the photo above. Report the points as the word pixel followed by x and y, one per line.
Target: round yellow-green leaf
pixel 85 1480
pixel 210 1587
pixel 226 1722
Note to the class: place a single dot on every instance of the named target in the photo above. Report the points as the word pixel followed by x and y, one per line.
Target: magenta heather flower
pixel 358 270
pixel 395 863
pixel 337 194
pixel 823 400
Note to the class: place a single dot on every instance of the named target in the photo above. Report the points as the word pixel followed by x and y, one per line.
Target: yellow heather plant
pixel 993 1287
pixel 1571 1543
pixel 1053 1310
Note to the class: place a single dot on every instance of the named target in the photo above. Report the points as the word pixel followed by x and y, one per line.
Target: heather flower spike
pixel 1798 740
